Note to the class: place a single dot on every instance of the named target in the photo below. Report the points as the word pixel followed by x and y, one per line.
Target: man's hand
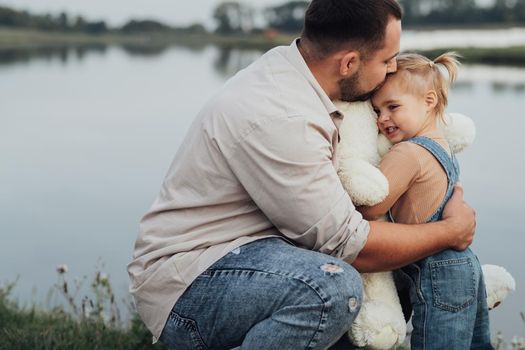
pixel 461 220
pixel 391 246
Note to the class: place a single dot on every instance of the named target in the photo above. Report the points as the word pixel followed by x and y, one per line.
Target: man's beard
pixel 350 91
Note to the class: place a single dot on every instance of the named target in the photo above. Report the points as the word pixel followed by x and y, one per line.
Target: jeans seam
pixel 425 324
pixel 310 284
pixel 191 326
pixel 425 305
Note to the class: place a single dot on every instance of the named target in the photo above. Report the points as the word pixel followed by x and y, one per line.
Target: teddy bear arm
pixel 365 183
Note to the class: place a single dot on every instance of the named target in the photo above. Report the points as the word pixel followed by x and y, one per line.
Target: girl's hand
pixel 461 219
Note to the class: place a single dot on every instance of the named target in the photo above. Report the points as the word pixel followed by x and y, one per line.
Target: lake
pixel 87 135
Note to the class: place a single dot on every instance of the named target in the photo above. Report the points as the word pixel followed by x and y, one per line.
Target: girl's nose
pixel 384 116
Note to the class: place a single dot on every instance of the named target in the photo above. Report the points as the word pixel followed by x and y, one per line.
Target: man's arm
pixel 285 166
pixel 390 246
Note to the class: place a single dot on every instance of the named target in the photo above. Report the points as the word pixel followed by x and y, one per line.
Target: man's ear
pixel 349 63
pixel 431 99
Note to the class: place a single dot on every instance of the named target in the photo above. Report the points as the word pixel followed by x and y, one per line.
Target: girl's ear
pixel 349 63
pixel 431 99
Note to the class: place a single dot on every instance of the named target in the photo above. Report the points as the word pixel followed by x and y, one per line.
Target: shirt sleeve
pixel 286 167
pixel 401 168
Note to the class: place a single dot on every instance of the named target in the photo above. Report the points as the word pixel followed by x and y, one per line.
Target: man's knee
pixel 345 292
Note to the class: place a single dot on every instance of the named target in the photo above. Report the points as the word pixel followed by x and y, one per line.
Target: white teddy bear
pixel 380 323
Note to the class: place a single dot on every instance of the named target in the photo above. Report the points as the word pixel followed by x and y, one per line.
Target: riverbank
pixel 26 39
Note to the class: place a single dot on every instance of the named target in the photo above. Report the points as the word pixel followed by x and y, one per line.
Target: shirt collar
pixel 297 60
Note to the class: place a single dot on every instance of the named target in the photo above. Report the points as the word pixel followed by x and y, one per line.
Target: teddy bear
pixel 380 323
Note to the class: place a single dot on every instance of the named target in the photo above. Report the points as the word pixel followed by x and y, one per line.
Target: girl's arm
pixel 400 167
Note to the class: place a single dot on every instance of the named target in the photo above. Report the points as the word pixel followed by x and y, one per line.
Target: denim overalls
pixel 447 291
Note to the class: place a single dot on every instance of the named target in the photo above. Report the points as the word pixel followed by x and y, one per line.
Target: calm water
pixel 87 136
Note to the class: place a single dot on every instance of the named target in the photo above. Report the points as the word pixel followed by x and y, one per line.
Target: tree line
pixel 462 12
pixel 235 17
pixel 62 22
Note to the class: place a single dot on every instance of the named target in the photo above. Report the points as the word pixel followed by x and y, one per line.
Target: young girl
pixel 446 290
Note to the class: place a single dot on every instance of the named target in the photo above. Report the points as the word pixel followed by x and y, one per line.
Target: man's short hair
pixel 332 25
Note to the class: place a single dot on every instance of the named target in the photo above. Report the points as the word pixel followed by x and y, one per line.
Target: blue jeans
pixel 450 305
pixel 267 294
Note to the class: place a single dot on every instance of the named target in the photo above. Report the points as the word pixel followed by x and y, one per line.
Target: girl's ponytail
pixel 422 74
pixel 449 60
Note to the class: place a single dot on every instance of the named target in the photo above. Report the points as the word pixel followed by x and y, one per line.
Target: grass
pixel 89 324
pixel 36 329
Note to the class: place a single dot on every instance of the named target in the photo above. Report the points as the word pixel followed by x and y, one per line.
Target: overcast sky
pixel 116 12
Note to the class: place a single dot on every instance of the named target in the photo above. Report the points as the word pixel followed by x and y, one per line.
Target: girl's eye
pixel 393 107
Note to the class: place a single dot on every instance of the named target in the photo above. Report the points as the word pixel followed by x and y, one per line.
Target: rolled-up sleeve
pixel 286 167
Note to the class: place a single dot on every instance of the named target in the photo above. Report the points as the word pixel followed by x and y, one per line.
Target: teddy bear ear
pixel 459 130
pixel 498 284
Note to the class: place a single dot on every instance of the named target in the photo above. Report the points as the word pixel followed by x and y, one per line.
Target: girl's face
pixel 401 114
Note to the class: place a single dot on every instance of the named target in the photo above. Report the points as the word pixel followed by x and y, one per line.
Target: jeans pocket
pixel 181 333
pixel 453 283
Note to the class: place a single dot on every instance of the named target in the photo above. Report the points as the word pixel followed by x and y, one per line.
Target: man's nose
pixel 392 66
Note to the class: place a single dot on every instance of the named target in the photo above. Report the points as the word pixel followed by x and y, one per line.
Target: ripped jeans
pixel 267 294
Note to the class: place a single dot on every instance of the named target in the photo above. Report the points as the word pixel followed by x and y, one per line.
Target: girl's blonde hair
pixel 423 74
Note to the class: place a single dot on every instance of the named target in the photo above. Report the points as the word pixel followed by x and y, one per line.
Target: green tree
pixel 233 17
pixel 80 24
pixel 63 21
pixel 288 17
pixel 136 26
pixel 508 11
pixel 96 27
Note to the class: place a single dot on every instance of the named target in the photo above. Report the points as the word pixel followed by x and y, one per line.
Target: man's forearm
pixel 391 246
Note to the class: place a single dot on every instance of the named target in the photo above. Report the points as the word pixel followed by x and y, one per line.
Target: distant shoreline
pixel 27 39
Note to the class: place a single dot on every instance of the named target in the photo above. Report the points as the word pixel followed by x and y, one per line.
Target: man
pixel 250 240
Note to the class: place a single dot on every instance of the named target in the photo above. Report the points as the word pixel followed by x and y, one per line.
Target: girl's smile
pixel 391 130
pixel 401 114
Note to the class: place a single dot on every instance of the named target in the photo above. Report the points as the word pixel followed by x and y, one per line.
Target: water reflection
pixel 500 87
pixel 500 78
pixel 141 50
pixel 229 60
pixel 62 53
pixel 463 85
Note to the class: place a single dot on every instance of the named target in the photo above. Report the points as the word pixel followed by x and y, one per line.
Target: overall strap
pixel 449 164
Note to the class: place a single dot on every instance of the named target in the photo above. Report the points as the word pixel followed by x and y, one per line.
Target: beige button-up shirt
pixel 258 161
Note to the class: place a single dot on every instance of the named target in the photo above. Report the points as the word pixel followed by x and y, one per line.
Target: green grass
pixel 55 329
pixel 90 323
